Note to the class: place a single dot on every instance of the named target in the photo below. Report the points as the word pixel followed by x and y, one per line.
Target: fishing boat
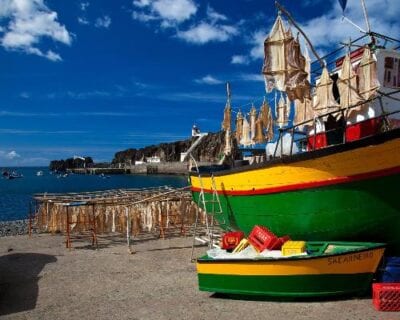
pixel 329 269
pixel 11 175
pixel 332 171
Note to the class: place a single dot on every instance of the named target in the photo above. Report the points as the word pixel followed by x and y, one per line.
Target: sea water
pixel 16 194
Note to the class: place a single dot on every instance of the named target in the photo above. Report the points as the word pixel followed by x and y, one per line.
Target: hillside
pixel 210 149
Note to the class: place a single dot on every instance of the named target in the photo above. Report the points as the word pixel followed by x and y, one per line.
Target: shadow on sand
pixel 19 276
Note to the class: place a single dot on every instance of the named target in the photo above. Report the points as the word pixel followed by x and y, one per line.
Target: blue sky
pixel 92 78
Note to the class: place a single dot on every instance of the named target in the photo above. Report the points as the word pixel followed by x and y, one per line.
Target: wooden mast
pixel 287 14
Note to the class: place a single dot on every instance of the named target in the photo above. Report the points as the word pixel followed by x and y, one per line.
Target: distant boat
pixel 39 173
pixel 11 175
pixel 103 176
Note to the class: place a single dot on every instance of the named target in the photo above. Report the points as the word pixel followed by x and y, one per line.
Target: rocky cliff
pixel 70 163
pixel 210 149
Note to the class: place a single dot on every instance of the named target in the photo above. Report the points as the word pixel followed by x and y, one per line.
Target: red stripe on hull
pixel 307 185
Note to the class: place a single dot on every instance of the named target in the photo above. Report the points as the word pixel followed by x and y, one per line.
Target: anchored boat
pixel 332 172
pixel 329 268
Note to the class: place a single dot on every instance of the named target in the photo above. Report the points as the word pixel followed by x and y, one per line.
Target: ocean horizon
pixel 16 195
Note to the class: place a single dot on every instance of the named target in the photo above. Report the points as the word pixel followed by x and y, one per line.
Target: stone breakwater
pixel 14 228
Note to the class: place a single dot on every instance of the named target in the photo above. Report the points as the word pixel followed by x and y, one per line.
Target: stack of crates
pixel 386 293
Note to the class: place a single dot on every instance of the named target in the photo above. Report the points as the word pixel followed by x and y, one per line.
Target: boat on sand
pixel 332 171
pixel 328 269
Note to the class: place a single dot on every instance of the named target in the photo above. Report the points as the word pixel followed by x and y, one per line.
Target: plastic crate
pixel 362 129
pixel 386 296
pixel 261 238
pixel 231 239
pixel 317 141
pixel 390 271
pixel 293 247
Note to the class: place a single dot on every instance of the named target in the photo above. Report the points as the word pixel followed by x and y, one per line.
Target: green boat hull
pixel 287 286
pixel 366 210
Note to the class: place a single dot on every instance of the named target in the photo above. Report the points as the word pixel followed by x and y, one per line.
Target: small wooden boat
pixel 328 269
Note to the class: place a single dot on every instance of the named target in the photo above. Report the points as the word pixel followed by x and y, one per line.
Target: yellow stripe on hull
pixel 352 263
pixel 348 163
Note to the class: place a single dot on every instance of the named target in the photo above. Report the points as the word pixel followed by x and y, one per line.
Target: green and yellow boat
pixel 329 269
pixel 333 175
pixel 345 192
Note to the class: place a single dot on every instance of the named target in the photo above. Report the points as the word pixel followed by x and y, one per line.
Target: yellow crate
pixel 293 247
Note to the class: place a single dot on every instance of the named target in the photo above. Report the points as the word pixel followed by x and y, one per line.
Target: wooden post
pixel 30 220
pixel 162 234
pixel 94 236
pixel 68 241
pixel 128 233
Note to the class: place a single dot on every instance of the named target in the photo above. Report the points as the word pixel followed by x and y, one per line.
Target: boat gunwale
pixel 309 155
pixel 372 246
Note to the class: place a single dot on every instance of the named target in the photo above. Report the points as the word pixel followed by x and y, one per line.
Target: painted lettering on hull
pixel 350 258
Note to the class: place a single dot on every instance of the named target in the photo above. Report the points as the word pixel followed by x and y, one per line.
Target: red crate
pixel 262 238
pixel 317 141
pixel 362 129
pixel 231 239
pixel 386 296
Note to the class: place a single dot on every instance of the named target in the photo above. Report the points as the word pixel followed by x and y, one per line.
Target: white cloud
pixel 141 3
pixel 328 30
pixel 175 10
pixel 257 40
pixel 168 12
pixel 84 5
pixel 103 22
pixel 240 59
pixel 171 14
pixel 208 79
pixel 143 17
pixel 251 77
pixel 29 22
pixel 83 20
pixel 205 32
pixel 12 155
pixel 214 15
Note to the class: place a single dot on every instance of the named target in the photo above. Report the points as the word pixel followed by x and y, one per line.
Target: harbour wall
pixel 180 168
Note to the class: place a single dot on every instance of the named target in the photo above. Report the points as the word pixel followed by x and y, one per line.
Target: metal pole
pixel 366 16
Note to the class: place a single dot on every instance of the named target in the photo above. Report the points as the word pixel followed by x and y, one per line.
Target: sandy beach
pixel 41 279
